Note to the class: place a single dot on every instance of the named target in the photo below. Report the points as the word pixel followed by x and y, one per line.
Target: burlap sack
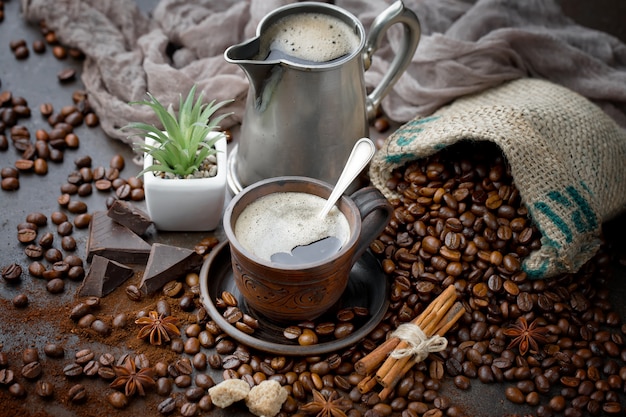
pixel 567 158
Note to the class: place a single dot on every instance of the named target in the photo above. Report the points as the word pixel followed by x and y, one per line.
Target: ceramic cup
pixel 286 292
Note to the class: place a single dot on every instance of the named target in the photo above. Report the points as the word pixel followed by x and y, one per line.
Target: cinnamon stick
pixel 384 393
pixel 368 364
pixel 402 365
pixel 367 384
pixel 371 361
pixel 437 318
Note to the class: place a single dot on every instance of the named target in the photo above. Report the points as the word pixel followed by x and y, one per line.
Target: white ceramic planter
pixel 186 205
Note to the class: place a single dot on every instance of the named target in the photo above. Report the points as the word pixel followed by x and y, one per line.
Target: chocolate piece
pixel 103 277
pixel 167 263
pixel 114 241
pixel 130 216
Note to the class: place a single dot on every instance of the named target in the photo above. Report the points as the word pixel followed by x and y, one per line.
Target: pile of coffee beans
pixel 48 145
pixel 460 221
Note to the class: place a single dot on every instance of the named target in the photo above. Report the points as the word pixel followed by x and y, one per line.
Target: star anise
pixel 526 336
pixel 158 327
pixel 332 406
pixel 132 379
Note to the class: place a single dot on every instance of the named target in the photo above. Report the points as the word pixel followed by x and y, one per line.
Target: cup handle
pixel 375 212
pixel 396 13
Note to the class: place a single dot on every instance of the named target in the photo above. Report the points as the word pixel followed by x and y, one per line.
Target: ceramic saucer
pixel 368 287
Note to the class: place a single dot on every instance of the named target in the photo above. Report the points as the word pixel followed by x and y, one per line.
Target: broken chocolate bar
pixel 167 263
pixel 103 277
pixel 130 216
pixel 114 241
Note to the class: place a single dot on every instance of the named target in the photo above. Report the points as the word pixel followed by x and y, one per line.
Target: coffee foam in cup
pixel 279 222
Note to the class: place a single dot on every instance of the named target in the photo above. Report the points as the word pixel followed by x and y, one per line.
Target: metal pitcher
pixel 303 117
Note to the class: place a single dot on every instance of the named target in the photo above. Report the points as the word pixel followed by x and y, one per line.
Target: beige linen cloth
pixel 466 47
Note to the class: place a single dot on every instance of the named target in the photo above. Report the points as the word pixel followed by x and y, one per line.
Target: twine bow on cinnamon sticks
pixel 409 344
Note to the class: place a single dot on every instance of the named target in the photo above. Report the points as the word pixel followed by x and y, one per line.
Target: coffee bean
pixel 21 52
pixel 17 390
pixel 36 269
pixel 91 368
pixel 33 251
pixel 32 370
pixel 117 399
pixel 91 120
pixel 77 207
pixel 106 373
pixel 55 286
pixel 117 162
pixel 39 219
pixel 7 377
pixel 40 166
pixel 53 350
pixel 292 332
pixel 53 255
pixel 20 301
pixel 26 235
pixel 164 386
pixel 58 217
pixel 67 75
pixel 182 381
pixel 163 308
pixel 24 165
pixel 232 315
pixel 72 370
pixel 12 273
pixel 101 327
pixel 39 46
pixel 44 389
pixel 71 139
pixel 189 409
pixel 59 52
pixel 343 330
pixel 77 394
pixel 133 293
pixel 307 338
pixel 84 190
pixel 46 240
pixel 65 229
pixel 203 381
pixel 10 184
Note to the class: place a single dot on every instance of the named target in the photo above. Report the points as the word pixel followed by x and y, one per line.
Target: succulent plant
pixel 184 144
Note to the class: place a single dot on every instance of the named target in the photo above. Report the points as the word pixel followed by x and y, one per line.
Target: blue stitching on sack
pixel 554 218
pixel 396 159
pixel 537 272
pixel 409 128
pixel 585 209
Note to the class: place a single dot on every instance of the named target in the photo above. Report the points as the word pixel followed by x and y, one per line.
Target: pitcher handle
pixel 376 212
pixel 396 13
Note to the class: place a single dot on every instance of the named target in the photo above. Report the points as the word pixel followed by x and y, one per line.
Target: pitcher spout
pixel 246 56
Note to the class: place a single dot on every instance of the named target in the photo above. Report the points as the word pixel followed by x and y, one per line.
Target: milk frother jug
pixel 303 117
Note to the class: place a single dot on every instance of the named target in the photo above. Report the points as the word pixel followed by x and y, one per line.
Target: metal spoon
pixel 360 156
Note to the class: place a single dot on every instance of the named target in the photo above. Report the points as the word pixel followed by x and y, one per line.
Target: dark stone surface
pixel 35 79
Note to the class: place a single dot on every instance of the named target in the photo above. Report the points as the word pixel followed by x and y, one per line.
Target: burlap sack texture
pixel 567 158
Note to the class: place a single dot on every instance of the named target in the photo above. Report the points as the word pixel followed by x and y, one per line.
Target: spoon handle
pixel 360 156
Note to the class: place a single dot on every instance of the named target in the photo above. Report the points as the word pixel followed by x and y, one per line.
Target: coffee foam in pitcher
pixel 314 37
